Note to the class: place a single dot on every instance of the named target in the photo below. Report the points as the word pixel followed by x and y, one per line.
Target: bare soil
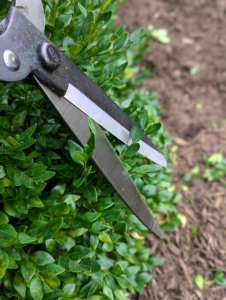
pixel 190 104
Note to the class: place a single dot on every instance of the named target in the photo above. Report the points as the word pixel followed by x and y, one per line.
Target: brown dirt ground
pixel 198 36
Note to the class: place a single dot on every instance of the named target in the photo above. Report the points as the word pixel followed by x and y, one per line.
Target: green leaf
pixel 51 270
pixel 123 281
pixel 143 119
pixel 110 281
pixel 94 241
pixel 62 4
pixel 41 258
pixel 98 226
pixel 195 69
pixel 89 148
pixel 78 252
pixel 69 242
pixel 35 202
pixel 77 232
pixel 10 210
pixel 142 280
pixel 103 203
pixel 77 154
pixel 37 228
pixel 3 218
pixel 51 245
pixel 131 150
pixel 120 70
pixel 194 230
pixel 82 9
pixel 2 273
pixel 136 133
pixel 4 122
pixel 91 216
pixel 104 18
pixel 147 169
pixel 23 238
pixel 89 289
pixel 112 215
pixel 52 228
pixel 52 282
pixel 160 35
pixel 28 269
pixel 136 36
pixel 104 5
pixel 75 267
pixel 90 265
pixel 19 285
pixel 94 297
pixel 18 120
pixel 219 278
pixel 121 42
pixel 2 6
pixel 2 172
pixel 4 261
pixel 12 264
pixel 36 288
pixel 105 238
pixel 122 249
pixel 199 281
pixel 7 235
pixel 153 128
pixel 25 135
pixel 58 189
pixel 156 261
pixel 116 270
pixel 21 206
pixel 108 292
pixel 77 48
pixel 68 290
pixel 90 193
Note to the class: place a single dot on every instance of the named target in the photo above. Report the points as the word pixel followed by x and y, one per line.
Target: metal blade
pixel 104 119
pixel 33 11
pixel 104 157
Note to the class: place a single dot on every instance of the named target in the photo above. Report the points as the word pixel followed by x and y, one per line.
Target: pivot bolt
pixel 11 60
pixel 49 56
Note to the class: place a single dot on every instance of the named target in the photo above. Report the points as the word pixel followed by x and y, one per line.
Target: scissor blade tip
pixel 161 161
pixel 155 229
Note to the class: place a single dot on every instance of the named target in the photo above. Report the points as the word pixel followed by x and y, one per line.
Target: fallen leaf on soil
pixel 180 142
pixel 162 218
pixel 174 249
pixel 199 294
pixel 184 268
pixel 190 213
pixel 136 236
pixel 218 202
pixel 187 41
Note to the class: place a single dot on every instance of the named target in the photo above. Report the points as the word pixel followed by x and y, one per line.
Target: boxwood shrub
pixel 64 232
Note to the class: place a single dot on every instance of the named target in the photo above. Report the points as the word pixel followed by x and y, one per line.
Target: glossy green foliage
pixel 64 232
pixel 216 166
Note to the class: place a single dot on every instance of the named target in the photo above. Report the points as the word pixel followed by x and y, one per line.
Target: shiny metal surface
pixel 101 117
pixel 104 157
pixel 11 60
pixel 33 11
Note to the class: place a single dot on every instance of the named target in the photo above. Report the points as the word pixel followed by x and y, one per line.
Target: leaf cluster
pixel 216 167
pixel 64 232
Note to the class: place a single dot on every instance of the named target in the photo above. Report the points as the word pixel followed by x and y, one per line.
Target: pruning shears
pixel 26 51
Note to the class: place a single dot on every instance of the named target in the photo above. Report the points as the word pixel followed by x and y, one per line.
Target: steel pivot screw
pixel 49 56
pixel 11 60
